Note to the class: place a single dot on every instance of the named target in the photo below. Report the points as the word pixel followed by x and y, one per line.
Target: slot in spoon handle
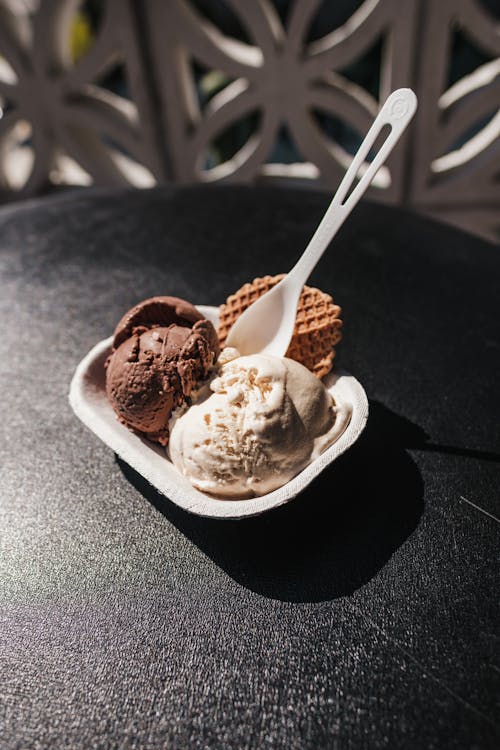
pixel 397 111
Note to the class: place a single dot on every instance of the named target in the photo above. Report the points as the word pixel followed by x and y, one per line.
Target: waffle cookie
pixel 317 325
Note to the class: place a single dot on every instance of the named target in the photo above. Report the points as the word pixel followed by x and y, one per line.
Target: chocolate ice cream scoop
pixel 162 348
pixel 156 311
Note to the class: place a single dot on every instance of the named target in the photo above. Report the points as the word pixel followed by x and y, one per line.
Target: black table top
pixel 361 615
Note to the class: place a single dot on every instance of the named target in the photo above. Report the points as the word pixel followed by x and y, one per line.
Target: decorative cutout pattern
pixel 282 76
pixel 457 138
pixel 249 93
pixel 56 115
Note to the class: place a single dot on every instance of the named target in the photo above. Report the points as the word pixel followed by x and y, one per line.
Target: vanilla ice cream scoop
pixel 264 420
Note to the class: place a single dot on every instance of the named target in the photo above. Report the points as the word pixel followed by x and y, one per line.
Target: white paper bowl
pixel 87 397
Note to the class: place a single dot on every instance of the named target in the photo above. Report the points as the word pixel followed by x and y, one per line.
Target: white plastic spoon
pixel 267 325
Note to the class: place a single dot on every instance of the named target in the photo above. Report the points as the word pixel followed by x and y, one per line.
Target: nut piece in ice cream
pixel 162 348
pixel 318 327
pixel 264 421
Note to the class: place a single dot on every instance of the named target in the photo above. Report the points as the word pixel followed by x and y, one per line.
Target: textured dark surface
pixel 362 615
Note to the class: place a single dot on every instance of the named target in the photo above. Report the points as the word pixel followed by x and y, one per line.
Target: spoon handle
pixel 397 112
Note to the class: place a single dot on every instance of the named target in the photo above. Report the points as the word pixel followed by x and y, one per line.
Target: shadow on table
pixel 331 539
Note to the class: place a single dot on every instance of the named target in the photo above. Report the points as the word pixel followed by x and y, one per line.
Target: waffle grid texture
pixel 318 327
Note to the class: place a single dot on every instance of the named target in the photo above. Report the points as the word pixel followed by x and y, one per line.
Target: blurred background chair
pixel 144 92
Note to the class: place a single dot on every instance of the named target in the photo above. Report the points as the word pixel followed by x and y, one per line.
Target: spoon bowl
pixel 270 329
